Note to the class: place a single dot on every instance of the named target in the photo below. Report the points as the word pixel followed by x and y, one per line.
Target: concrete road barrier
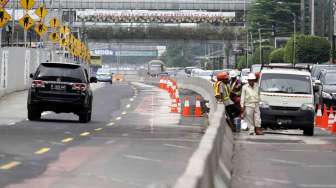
pixel 210 165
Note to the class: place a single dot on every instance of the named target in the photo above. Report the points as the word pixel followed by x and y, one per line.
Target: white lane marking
pixel 125 134
pixel 318 185
pixel 302 150
pixel 128 106
pixel 12 123
pixel 141 158
pixel 263 181
pixel 110 124
pixel 118 118
pixel 110 142
pixel 152 115
pixel 286 162
pixel 321 166
pixel 131 99
pixel 124 113
pixel 176 146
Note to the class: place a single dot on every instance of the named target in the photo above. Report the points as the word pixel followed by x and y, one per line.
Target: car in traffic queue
pixel 328 81
pixel 104 75
pixel 60 87
pixel 287 99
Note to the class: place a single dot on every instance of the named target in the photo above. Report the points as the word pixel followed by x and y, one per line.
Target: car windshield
pixel 330 78
pixel 285 83
pixel 64 73
pixel 205 73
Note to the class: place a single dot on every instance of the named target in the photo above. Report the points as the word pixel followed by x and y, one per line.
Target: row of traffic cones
pixel 325 120
pixel 171 87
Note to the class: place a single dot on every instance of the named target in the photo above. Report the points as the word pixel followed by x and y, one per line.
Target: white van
pixel 287 99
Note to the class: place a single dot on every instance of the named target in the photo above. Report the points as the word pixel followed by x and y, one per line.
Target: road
pixel 132 141
pixel 285 159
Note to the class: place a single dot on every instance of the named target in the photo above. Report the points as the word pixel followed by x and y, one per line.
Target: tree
pixel 265 55
pixel 266 13
pixel 308 49
pixel 241 64
pixel 277 55
pixel 178 55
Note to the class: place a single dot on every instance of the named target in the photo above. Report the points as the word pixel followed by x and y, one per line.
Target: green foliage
pixel 241 62
pixel 308 49
pixel 277 56
pixel 265 56
pixel 264 13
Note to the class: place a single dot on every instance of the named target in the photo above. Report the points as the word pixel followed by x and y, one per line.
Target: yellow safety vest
pixel 216 88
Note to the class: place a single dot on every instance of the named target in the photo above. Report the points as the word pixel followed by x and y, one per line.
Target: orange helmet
pixel 222 76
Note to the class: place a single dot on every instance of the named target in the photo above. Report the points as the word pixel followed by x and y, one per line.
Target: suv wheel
pixel 34 113
pixel 84 116
pixel 308 131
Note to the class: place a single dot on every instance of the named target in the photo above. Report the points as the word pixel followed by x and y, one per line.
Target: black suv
pixel 60 87
pixel 328 80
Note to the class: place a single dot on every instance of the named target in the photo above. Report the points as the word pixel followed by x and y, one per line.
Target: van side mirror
pixel 31 75
pixel 93 80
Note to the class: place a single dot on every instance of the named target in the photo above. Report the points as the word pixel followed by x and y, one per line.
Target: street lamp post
pixel 260 54
pixel 294 22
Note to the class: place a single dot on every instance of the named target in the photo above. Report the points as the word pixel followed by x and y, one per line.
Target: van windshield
pixel 285 83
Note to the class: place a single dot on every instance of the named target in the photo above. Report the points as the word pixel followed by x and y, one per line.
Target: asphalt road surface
pixel 283 159
pixel 132 141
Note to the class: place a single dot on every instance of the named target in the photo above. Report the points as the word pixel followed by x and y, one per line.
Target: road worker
pixel 235 88
pixel 250 105
pixel 223 90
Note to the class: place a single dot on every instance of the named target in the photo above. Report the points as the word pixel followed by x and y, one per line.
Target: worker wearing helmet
pixel 250 105
pixel 235 87
pixel 222 89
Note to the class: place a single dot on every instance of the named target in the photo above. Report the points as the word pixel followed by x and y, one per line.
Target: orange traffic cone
pixel 318 118
pixel 198 109
pixel 324 120
pixel 173 90
pixel 165 83
pixel 174 107
pixel 177 96
pixel 186 108
pixel 333 129
pixel 331 118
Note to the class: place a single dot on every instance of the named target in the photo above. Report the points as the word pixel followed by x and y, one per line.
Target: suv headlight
pixel 326 95
pixel 309 107
pixel 263 104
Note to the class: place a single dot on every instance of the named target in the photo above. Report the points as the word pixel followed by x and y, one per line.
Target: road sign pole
pixel 25 38
pixel 0 37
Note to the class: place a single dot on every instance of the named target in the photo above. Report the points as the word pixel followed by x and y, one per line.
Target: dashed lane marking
pixel 124 113
pixel 98 129
pixel 118 118
pixel 110 124
pixel 141 158
pixel 85 134
pixel 176 146
pixel 131 99
pixel 128 106
pixel 42 151
pixel 10 165
pixel 67 140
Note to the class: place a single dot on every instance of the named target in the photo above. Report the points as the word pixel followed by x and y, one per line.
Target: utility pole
pixel 293 53
pixel 312 17
pixel 260 53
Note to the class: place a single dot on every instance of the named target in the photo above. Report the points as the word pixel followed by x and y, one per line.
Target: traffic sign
pixel 41 29
pixel 41 12
pixel 54 37
pixel 64 42
pixel 54 23
pixel 3 3
pixel 4 17
pixel 64 29
pixel 27 4
pixel 26 22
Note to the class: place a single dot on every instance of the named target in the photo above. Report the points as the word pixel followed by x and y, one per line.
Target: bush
pixel 241 61
pixel 308 49
pixel 277 56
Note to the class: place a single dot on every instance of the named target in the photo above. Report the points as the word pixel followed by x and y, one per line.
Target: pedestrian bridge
pixel 211 5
